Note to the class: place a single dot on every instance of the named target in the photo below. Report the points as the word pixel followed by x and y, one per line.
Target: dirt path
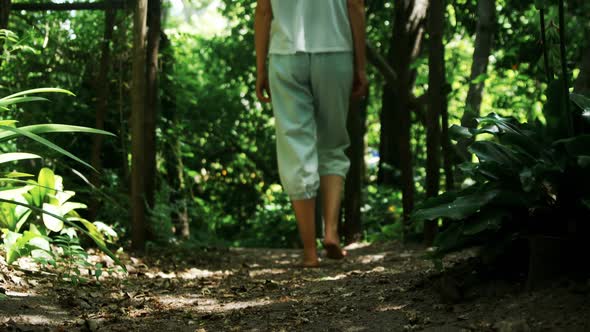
pixel 383 287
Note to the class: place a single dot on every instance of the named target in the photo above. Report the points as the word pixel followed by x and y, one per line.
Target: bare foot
pixel 310 259
pixel 310 264
pixel 334 251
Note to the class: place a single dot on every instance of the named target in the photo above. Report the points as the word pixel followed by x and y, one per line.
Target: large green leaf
pixel 52 128
pixel 14 156
pixel 488 220
pixel 94 234
pixel 7 216
pixel 459 132
pixel 19 100
pixel 526 144
pixel 52 223
pixel 15 244
pixel 35 91
pixel 504 124
pixel 46 182
pixel 491 151
pixel 12 193
pixel 68 207
pixel 584 161
pixel 582 101
pixel 460 208
pixel 47 143
pixel 575 146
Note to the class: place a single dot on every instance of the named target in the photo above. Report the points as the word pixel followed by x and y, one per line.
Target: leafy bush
pixel 381 213
pixel 524 184
pixel 273 225
pixel 34 213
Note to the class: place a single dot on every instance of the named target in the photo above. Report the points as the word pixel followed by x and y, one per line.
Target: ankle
pixel 331 237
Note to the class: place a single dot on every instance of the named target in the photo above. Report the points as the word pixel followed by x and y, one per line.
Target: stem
pixel 544 45
pixel 568 114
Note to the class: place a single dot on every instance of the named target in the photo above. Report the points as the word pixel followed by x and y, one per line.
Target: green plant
pixel 523 184
pixel 41 205
pixel 382 213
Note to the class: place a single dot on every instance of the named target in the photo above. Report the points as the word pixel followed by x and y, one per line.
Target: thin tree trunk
pixel 564 73
pixel 582 83
pixel 484 40
pixel 436 102
pixel 406 43
pixel 548 71
pixel 4 15
pixel 352 226
pixel 447 149
pixel 151 110
pixel 138 93
pixel 102 86
pixel 172 153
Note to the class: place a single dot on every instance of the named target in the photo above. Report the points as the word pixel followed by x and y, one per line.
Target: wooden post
pixel 4 14
pixel 5 7
pixel 151 110
pixel 138 92
pixel 102 87
pixel 436 102
pixel 352 226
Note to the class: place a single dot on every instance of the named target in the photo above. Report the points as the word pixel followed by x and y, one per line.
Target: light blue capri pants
pixel 310 99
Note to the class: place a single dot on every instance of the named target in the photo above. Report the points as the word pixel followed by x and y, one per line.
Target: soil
pixel 379 287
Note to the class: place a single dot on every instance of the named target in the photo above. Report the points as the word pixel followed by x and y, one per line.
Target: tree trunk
pixel 484 40
pixel 548 71
pixel 352 226
pixel 436 102
pixel 4 13
pixel 151 109
pixel 172 152
pixel 447 148
pixel 138 93
pixel 395 149
pixel 582 83
pixel 564 72
pixel 102 87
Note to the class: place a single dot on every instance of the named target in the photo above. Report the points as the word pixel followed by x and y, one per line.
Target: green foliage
pixel 381 214
pixel 273 225
pixel 216 142
pixel 43 206
pixel 524 183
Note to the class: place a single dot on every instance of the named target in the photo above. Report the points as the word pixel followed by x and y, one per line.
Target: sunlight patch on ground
pixel 368 259
pixel 357 245
pixel 257 273
pixel 336 277
pixel 192 273
pixel 175 301
pixel 40 314
pixel 243 305
pixel 384 308
pixel 210 305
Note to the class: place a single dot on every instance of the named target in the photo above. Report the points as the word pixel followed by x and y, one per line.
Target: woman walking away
pixel 316 63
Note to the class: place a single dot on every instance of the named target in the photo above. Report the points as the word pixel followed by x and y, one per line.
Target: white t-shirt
pixel 311 26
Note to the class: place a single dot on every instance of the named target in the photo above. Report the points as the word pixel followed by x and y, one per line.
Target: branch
pixel 382 65
pixel 32 7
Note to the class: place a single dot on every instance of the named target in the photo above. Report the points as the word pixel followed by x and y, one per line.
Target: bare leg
pixel 331 187
pixel 305 215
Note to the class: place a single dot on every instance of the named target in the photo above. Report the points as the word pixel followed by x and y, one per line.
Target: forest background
pixel 208 169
